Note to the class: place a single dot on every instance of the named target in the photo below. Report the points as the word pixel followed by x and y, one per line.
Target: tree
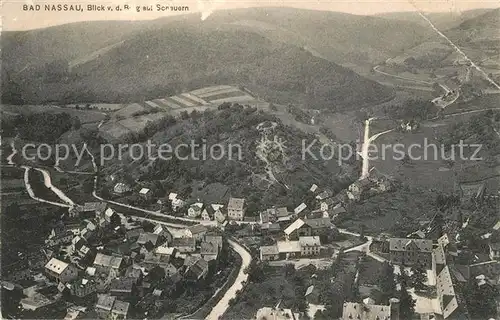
pixel 418 278
pixel 76 123
pixel 156 274
pixel 480 300
pixel 386 282
pixel 406 304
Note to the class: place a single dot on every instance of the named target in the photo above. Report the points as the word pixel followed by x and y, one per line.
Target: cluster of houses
pixel 375 183
pixel 448 274
pixel 113 261
pixel 301 238
pixel 234 210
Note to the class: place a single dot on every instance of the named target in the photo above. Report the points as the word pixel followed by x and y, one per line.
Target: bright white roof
pixel 144 191
pixel 294 226
pixel 109 212
pixel 288 246
pixel 496 226
pixel 310 241
pixel 56 265
pixel 300 208
pixel 172 196
pixel 164 249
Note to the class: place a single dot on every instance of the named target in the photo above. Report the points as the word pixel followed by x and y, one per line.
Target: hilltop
pixel 273 175
pixel 172 59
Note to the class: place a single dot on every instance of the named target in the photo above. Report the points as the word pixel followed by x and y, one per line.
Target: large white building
pixel 60 270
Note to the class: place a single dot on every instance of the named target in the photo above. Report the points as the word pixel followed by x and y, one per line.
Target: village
pixel 113 266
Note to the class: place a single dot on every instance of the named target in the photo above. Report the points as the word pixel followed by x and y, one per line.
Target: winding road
pixel 417 81
pixel 32 193
pixel 223 304
pixel 367 140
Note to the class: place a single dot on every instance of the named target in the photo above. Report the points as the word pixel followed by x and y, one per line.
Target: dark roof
pixel 214 239
pixel 236 204
pixel 183 242
pixel 209 248
pixel 122 285
pixel 495 246
pixel 271 227
pixel 200 267
pixel 319 223
pixel 134 233
pixel 325 194
pixel 281 212
pixel 199 228
pixel 402 244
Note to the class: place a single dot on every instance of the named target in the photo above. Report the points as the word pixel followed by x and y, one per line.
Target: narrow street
pixel 223 304
pixel 32 193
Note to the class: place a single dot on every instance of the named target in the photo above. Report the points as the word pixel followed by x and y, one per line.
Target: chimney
pixel 394 303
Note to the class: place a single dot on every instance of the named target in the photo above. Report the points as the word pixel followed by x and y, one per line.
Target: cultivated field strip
pixel 170 103
pixel 153 104
pixel 198 92
pixel 162 104
pixel 216 92
pixel 244 98
pixel 193 99
pixel 182 101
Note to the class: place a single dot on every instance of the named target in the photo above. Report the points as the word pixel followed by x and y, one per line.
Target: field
pixel 85 116
pixel 130 110
pixel 117 129
pixel 200 99
pixel 132 118
pixel 137 124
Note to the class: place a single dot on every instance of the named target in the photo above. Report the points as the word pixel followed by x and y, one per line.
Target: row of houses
pixel 304 246
pixel 235 209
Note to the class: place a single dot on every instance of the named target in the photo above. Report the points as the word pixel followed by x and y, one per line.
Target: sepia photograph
pixel 250 160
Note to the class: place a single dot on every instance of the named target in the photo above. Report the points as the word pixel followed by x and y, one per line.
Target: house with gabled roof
pixel 146 237
pixel 301 207
pixel 197 270
pixel 265 216
pixel 133 234
pixel 197 231
pixel 184 245
pixel 195 210
pixel 308 227
pixel 313 188
pixel 368 311
pixel 411 252
pixel 60 270
pixel 450 301
pixel 209 251
pixel 121 188
pixel 110 307
pixel 438 259
pixel 236 209
pixel 210 211
pixel 145 193
pixel 269 253
pixel 325 195
pixel 218 240
pixel 107 261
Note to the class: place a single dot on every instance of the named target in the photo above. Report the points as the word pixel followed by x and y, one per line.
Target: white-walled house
pixel 195 210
